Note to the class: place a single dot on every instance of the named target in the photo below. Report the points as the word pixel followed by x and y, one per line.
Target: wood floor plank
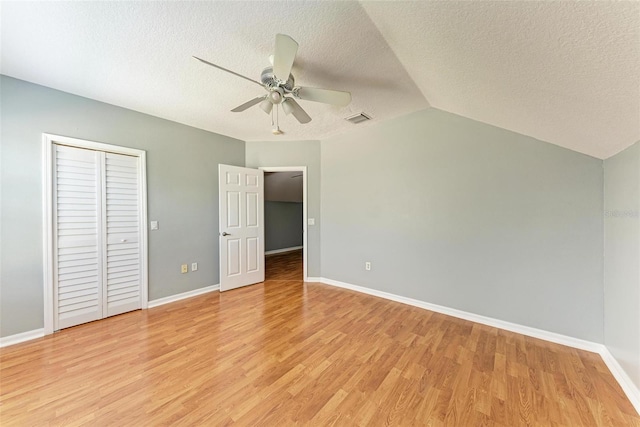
pixel 286 352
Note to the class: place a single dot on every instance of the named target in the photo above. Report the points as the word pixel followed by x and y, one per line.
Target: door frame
pixel 302 169
pixel 48 140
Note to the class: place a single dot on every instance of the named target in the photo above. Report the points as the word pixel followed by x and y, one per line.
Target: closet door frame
pixel 48 141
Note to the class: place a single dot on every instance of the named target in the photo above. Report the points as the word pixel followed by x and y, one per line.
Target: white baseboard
pixel 39 333
pixel 627 385
pixel 619 374
pixel 283 250
pixel 21 337
pixel 513 327
pixel 184 295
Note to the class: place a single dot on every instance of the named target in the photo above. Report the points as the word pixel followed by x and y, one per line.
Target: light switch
pixel 154 225
pixel 311 221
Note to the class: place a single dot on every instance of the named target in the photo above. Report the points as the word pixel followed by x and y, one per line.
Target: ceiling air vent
pixel 358 118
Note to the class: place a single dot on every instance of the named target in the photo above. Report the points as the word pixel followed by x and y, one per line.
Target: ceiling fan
pixel 279 83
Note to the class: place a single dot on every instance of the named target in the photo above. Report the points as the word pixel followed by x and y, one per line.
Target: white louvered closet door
pixel 97 217
pixel 122 256
pixel 78 241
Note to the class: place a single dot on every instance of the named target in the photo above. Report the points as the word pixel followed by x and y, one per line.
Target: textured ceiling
pixel 138 55
pixel 563 72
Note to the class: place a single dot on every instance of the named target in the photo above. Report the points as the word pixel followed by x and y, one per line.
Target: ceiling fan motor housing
pixel 270 81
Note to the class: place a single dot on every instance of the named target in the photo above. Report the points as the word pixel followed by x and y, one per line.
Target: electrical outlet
pixel 184 268
pixel 367 266
pixel 194 266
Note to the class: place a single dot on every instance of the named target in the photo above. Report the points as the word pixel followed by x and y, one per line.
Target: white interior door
pixel 78 238
pixel 122 214
pixel 241 193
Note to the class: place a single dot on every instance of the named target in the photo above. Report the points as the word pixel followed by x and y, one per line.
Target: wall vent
pixel 358 118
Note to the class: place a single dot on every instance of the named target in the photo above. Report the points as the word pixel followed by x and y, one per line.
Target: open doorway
pixel 285 208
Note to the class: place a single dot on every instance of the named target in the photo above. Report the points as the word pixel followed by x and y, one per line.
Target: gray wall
pixel 622 259
pixel 466 215
pixel 182 168
pixel 448 210
pixel 283 225
pixel 295 153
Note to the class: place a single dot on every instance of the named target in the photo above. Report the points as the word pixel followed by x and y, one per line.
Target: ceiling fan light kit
pixel 266 106
pixel 280 85
pixel 287 106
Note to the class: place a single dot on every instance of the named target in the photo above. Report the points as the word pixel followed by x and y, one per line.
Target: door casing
pixel 302 169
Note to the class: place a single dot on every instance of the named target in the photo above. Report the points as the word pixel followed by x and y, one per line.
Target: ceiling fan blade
pixel 285 53
pixel 228 71
pixel 289 105
pixel 248 104
pixel 326 96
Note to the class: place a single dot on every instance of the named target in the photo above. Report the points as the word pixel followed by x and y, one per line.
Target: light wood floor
pixel 291 353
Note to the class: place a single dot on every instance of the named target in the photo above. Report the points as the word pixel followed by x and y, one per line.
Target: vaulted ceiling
pixel 562 72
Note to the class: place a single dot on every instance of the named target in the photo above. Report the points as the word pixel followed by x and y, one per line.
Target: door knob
pixel 224 233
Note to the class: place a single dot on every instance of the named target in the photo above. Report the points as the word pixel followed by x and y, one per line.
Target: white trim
pixel 184 295
pixel 39 333
pixel 21 337
pixel 283 250
pixel 144 249
pixel 101 191
pixel 48 140
pixel 47 232
pixel 627 385
pixel 92 145
pixel 305 243
pixel 513 327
